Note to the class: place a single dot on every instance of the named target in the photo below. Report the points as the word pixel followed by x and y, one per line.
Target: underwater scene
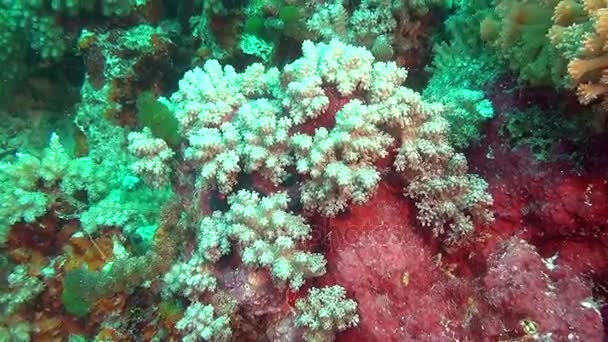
pixel 304 170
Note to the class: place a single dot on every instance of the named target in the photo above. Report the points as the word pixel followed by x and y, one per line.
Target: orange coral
pixel 588 68
pixel 580 67
pixel 567 12
pixel 601 22
pixel 593 5
pixel 588 92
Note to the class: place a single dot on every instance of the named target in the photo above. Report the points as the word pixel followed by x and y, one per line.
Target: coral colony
pixel 304 170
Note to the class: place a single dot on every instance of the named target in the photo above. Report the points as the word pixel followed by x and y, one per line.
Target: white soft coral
pixel 153 158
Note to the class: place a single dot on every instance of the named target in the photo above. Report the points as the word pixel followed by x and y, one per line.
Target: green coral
pixel 462 67
pixel 253 45
pixel 290 13
pixel 569 41
pixel 158 118
pixel 543 131
pixel 32 184
pixel 466 110
pixel 23 29
pixel 19 289
pixel 33 26
pixel 269 22
pixel 213 237
pixel 129 206
pixel 518 29
pixel 203 324
pixel 463 26
pixel 325 311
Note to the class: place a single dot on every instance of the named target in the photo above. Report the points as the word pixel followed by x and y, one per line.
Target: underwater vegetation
pixel 299 170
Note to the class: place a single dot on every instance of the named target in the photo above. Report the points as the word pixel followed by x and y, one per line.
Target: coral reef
pixel 299 170
pixel 325 311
